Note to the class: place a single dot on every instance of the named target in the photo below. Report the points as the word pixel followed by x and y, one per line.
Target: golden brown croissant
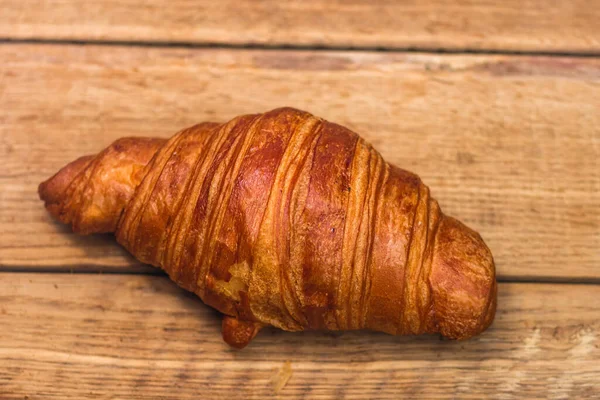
pixel 288 220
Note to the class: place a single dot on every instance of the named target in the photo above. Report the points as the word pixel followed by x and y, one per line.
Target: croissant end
pixel 462 281
pixel 91 192
pixel 52 190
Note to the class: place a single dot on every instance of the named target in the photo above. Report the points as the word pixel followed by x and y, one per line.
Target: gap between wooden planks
pixel 508 144
pixel 116 336
pixel 512 25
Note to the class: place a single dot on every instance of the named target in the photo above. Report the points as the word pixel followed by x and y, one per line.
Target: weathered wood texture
pixel 508 144
pixel 118 336
pixel 535 25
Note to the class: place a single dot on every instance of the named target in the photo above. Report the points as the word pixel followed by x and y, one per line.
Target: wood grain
pixel 117 336
pixel 508 144
pixel 534 25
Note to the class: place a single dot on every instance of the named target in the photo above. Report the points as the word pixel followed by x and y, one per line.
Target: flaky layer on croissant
pixel 288 220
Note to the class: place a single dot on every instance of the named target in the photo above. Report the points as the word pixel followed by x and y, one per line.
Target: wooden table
pixel 495 104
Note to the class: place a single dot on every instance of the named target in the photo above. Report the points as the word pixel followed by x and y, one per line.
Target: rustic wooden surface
pixel 534 25
pixel 115 336
pixel 508 143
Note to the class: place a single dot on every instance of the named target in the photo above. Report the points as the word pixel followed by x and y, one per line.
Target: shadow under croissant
pixel 360 345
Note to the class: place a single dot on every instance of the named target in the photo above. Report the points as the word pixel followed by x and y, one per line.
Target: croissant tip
pixel 463 281
pixel 52 189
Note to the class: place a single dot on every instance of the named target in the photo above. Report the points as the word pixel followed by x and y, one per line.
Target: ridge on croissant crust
pixel 288 220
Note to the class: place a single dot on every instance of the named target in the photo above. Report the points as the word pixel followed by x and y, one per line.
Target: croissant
pixel 284 219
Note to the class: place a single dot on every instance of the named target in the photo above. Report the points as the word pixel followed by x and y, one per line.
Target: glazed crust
pixel 288 220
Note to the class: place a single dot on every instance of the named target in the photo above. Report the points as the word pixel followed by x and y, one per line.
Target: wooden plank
pixel 117 336
pixel 514 25
pixel 508 144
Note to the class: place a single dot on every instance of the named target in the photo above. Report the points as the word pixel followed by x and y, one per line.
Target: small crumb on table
pixel 281 376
